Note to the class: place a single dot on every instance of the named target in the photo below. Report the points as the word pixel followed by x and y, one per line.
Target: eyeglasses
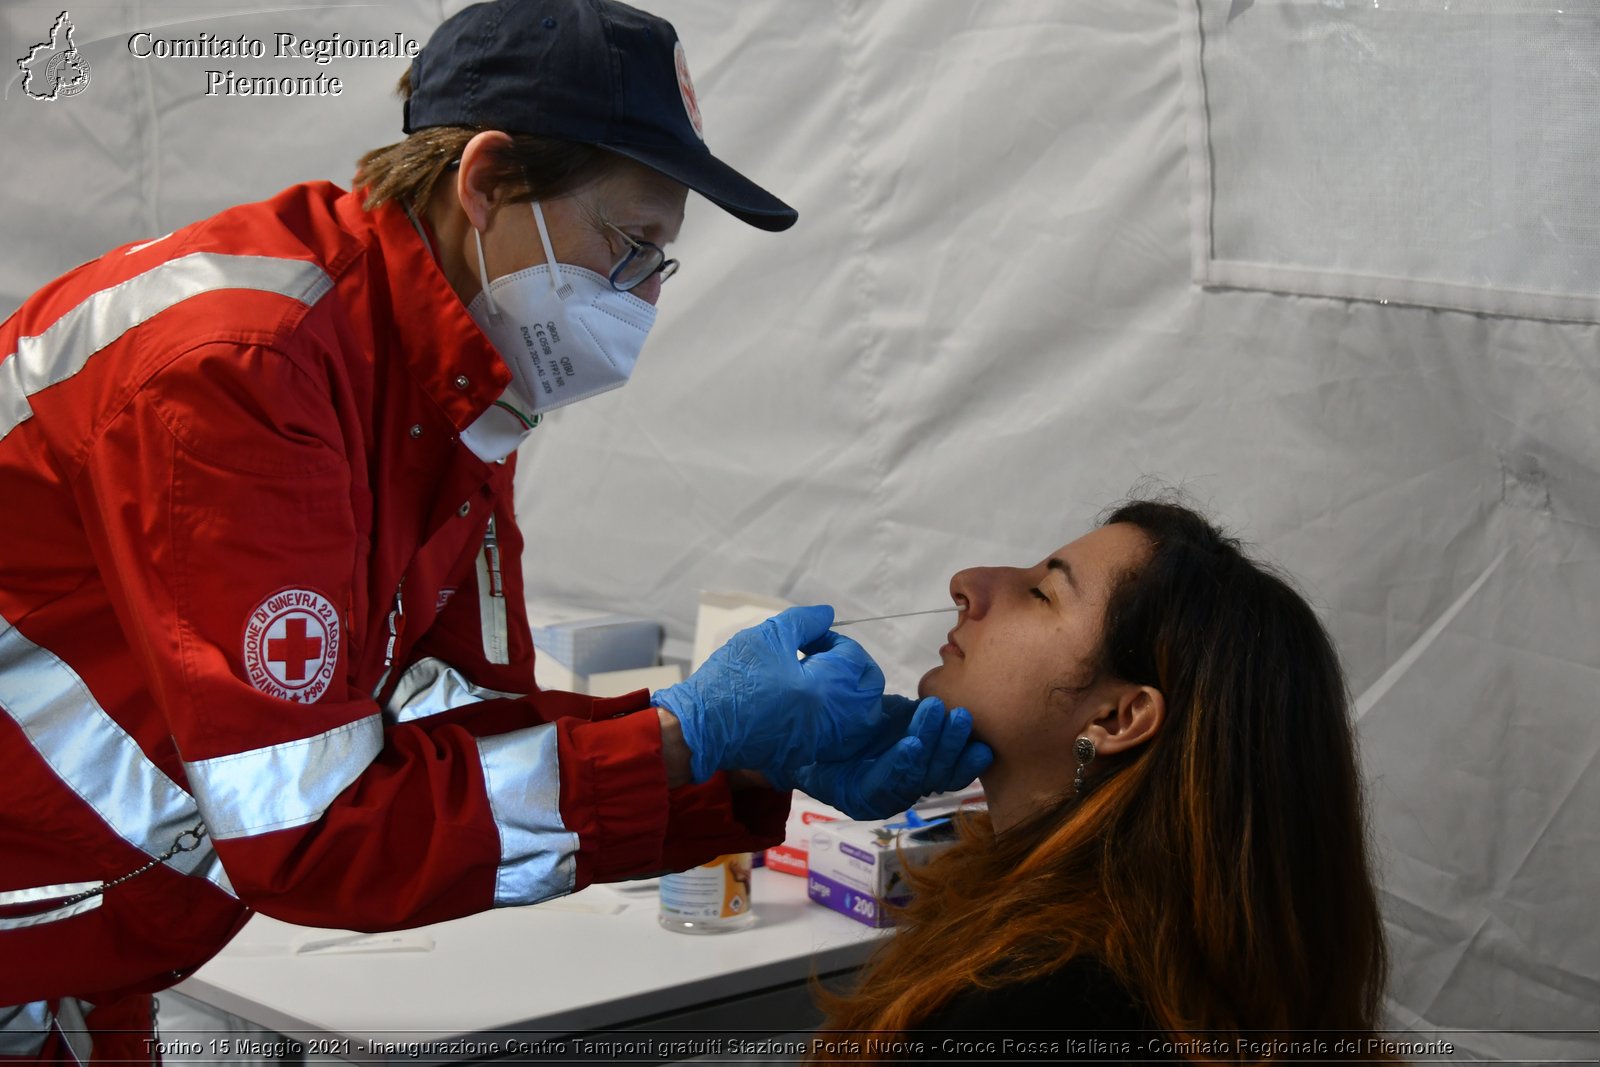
pixel 639 262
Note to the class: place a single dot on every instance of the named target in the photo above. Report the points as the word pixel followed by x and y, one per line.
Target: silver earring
pixel 1083 748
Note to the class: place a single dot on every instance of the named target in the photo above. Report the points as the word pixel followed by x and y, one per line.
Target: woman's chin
pixel 929 685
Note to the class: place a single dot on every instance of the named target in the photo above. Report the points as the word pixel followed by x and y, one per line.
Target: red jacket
pixel 252 578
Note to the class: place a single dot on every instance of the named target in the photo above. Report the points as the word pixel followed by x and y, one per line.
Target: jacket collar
pixel 438 341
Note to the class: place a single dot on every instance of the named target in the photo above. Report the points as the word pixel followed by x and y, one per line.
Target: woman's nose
pixel 970 589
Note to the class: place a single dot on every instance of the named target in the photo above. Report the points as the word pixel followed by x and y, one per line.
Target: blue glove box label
pixel 862 907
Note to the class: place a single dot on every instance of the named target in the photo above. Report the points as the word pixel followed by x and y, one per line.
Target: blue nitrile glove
pixel 935 756
pixel 894 721
pixel 754 705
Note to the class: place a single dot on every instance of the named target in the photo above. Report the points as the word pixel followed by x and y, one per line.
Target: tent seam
pixel 848 13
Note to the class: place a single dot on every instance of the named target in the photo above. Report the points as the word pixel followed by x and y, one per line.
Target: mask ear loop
pixel 562 289
pixel 483 276
pixel 494 316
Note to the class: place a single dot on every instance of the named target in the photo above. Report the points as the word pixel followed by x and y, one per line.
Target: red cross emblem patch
pixel 686 88
pixel 291 645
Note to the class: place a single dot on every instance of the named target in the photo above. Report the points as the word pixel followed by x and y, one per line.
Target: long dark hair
pixel 1220 870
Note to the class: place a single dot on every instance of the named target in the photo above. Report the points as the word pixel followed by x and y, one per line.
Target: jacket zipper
pixel 492 599
pixel 397 621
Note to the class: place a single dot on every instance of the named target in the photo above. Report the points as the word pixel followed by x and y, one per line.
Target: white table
pixel 594 961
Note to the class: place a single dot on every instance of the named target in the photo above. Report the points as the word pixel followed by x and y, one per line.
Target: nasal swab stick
pixel 902 615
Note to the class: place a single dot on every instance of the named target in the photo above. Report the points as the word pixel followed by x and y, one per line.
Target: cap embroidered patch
pixel 291 645
pixel 686 87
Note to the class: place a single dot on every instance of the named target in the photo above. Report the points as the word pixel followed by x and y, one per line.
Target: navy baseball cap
pixel 593 71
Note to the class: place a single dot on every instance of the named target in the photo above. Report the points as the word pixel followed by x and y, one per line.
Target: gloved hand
pixel 934 756
pixel 754 705
pixel 894 720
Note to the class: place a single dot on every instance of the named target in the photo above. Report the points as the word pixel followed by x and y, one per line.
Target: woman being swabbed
pixel 1174 862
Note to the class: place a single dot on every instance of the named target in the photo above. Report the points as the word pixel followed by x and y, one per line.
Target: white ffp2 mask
pixel 564 332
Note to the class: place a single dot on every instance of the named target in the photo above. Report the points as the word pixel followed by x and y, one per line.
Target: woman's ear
pixel 1133 719
pixel 476 189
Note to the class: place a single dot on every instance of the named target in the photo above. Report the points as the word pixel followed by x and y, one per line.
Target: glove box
pixel 856 868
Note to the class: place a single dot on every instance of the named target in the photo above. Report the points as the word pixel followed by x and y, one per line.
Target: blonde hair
pixel 529 168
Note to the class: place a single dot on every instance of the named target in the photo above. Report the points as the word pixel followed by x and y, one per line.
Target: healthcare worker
pixel 262 643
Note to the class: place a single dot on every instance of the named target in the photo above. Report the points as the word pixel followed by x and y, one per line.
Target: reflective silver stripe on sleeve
pixel 68 343
pixel 537 851
pixel 46 892
pixel 96 758
pixel 54 914
pixel 285 785
pixel 430 686
pixel 23 1028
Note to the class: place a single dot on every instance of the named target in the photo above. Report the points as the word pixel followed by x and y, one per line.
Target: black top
pixel 1077 1013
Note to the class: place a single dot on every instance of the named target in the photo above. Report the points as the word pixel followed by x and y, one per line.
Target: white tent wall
pixel 983 330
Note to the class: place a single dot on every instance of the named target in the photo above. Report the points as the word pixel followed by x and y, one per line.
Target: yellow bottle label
pixel 735 884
